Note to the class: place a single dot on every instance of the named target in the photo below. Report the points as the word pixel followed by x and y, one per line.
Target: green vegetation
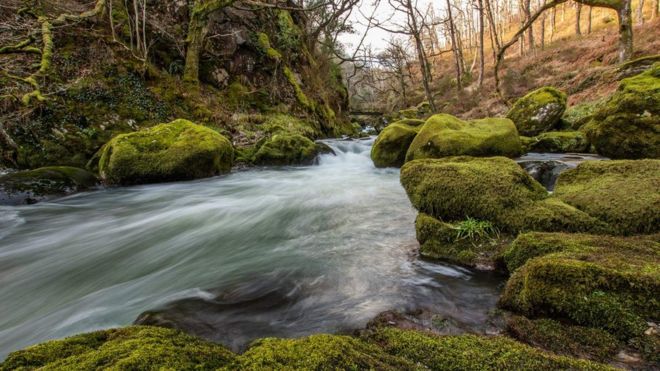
pixel 300 95
pixel 575 341
pixel 622 193
pixel 130 348
pixel 445 135
pixel 602 282
pixel 179 150
pixel 287 149
pixel 561 142
pixel 473 229
pixel 470 352
pixel 35 185
pixel 627 125
pixel 389 149
pixel 578 115
pixel 538 111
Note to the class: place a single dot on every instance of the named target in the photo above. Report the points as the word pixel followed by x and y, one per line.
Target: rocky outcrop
pixel 445 135
pixel 538 111
pixel 179 150
pixel 28 187
pixel 627 125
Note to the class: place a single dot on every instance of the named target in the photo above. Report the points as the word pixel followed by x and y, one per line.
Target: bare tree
pixel 578 14
pixel 640 12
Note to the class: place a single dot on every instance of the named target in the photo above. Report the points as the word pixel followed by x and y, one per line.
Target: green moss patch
pixel 389 149
pixel 27 187
pixel 538 111
pixel 178 150
pixel 560 142
pixel 445 135
pixel 576 341
pixel 287 149
pixel 578 115
pixel 628 123
pixel 624 194
pixel 130 348
pixel 471 352
pixel 603 282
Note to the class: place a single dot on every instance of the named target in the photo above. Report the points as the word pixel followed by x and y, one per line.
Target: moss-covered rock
pixel 559 338
pixel 578 115
pixel 318 352
pixel 493 189
pixel 625 193
pixel 627 126
pixel 179 150
pixel 287 149
pixel 538 111
pixel 560 142
pixel 610 283
pixel 445 135
pixel 471 242
pixel 28 187
pixel 526 143
pixel 389 149
pixel 471 352
pixel 130 348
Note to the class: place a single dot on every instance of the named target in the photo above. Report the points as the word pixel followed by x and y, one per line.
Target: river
pixel 261 252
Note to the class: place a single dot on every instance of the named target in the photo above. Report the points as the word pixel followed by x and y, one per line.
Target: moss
pixel 300 95
pixel 130 348
pixel 578 115
pixel 439 240
pixel 493 189
pixel 538 111
pixel 287 149
pixel 179 150
pixel 628 123
pixel 445 135
pixel 623 194
pixel 237 94
pixel 288 37
pixel 471 352
pixel 318 352
pixel 26 187
pixel 526 143
pixel 603 282
pixel 576 341
pixel 266 48
pixel 561 142
pixel 389 149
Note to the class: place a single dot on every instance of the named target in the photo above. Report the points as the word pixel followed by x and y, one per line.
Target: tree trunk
pixel 542 36
pixel 530 33
pixel 454 46
pixel 655 10
pixel 625 31
pixel 640 12
pixel 553 23
pixel 481 43
pixel 591 8
pixel 578 13
pixel 421 55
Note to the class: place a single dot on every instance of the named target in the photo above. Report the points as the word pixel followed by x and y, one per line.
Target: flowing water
pixel 272 252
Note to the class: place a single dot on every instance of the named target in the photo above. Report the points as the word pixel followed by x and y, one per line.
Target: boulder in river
pixel 560 142
pixel 389 149
pixel 604 282
pixel 28 187
pixel 625 194
pixel 538 111
pixel 445 135
pixel 179 150
pixel 289 149
pixel 627 125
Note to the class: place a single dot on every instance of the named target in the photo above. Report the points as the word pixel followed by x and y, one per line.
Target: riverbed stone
pixel 391 145
pixel 603 282
pixel 179 150
pixel 31 186
pixel 445 135
pixel 625 194
pixel 560 142
pixel 538 111
pixel 627 125
pixel 288 149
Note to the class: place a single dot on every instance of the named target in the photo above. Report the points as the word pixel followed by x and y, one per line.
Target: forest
pixel 329 184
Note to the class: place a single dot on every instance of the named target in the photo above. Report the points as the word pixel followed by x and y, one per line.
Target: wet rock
pixel 28 187
pixel 389 149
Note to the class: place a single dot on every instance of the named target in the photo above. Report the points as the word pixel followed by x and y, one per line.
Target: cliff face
pixel 255 64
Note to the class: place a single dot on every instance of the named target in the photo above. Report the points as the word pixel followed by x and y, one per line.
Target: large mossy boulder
pixel 494 189
pixel 560 142
pixel 28 187
pixel 471 352
pixel 611 283
pixel 130 348
pixel 445 135
pixel 627 125
pixel 288 149
pixel 179 150
pixel 538 111
pixel 625 194
pixel 391 145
